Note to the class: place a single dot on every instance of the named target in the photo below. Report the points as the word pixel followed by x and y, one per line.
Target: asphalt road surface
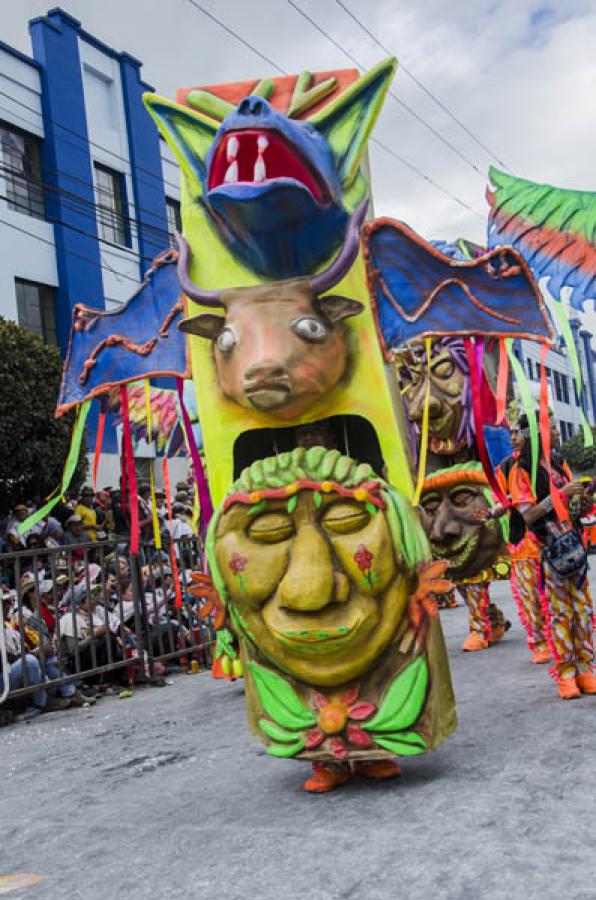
pixel 166 795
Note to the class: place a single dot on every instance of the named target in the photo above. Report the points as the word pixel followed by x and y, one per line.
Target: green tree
pixel 33 444
pixel 581 459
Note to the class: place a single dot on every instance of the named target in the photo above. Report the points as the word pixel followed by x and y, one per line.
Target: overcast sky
pixel 520 74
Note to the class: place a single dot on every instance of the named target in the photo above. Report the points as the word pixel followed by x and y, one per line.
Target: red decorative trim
pixel 433 296
pixel 115 340
pixel 163 328
pixel 371 227
pixel 370 488
pixel 167 256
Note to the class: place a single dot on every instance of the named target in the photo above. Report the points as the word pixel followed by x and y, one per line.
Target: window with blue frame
pixel 20 171
pixel 112 218
pixel 174 217
pixel 36 309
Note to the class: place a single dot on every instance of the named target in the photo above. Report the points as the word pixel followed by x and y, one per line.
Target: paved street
pixel 167 795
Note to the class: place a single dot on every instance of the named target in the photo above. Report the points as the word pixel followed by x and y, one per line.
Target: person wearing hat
pixel 83 625
pixel 23 670
pixel 524 551
pixel 85 510
pixel 145 512
pixel 18 541
pixel 565 600
pixel 74 534
pixel 39 620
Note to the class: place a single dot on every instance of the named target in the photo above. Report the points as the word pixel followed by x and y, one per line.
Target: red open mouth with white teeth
pixel 253 156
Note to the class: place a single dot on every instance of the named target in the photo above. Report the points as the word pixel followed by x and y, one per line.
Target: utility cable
pixel 408 72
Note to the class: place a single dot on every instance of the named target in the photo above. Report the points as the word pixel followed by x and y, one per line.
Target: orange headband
pixel 450 478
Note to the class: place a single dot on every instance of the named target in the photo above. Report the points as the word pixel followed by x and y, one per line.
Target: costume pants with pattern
pixel 570 610
pixel 477 600
pixel 525 587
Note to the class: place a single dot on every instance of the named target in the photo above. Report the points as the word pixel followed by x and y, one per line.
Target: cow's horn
pixel 327 279
pixel 205 298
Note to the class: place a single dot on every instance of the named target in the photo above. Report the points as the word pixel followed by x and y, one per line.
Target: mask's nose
pixel 253 106
pixel 308 584
pixel 445 528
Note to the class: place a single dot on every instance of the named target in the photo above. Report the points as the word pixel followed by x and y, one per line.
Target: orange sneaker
pixel 586 682
pixel 474 642
pixel 540 657
pixel 377 768
pixel 325 778
pixel 568 689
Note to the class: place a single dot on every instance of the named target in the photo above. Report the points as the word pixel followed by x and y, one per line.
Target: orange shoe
pixel 325 778
pixel 474 642
pixel 568 689
pixel 377 768
pixel 586 682
pixel 497 633
pixel 540 657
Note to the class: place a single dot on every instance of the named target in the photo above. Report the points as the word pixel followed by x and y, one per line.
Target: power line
pixel 405 162
pixel 88 184
pixel 391 93
pixel 82 181
pixel 238 37
pixel 86 140
pixel 427 178
pixel 403 68
pixel 63 249
pixel 71 200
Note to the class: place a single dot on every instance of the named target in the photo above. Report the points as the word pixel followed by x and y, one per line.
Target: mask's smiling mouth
pixel 458 553
pixel 261 156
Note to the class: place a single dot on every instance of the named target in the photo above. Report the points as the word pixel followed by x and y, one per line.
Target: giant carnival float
pixel 351 382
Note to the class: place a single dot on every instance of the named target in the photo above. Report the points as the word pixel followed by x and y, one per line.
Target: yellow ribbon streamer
pixel 424 435
pixel 156 531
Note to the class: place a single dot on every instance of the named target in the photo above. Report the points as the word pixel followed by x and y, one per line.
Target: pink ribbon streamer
pixel 202 486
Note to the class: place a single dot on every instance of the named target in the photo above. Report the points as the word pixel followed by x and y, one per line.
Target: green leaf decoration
pixel 292 502
pixel 403 701
pixel 407 743
pixel 276 733
pixel 371 509
pixel 280 701
pixel 224 644
pixel 317 498
pixel 285 750
pixel 257 507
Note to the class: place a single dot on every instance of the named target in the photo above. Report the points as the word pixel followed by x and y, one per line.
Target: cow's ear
pixel 205 325
pixel 336 308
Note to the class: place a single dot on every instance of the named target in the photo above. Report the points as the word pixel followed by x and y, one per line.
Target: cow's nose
pixel 253 106
pixel 270 371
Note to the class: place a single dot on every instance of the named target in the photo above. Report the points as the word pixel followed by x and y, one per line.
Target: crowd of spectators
pixel 67 592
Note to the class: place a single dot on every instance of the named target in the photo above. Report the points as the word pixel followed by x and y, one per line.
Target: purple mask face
pixel 450 415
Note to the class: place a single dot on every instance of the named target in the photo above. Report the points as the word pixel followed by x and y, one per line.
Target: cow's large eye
pixel 310 329
pixel 226 339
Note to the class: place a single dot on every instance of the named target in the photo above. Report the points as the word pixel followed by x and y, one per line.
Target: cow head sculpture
pixel 280 346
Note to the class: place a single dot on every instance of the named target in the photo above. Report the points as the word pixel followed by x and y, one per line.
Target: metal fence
pixel 94 612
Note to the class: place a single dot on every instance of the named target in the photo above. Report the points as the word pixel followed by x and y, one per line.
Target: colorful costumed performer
pixel 323 568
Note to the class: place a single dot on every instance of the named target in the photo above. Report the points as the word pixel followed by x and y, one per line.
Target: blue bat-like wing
pixel 139 340
pixel 418 292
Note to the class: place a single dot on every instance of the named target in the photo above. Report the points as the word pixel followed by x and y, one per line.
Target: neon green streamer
pixel 528 404
pixel 565 329
pixel 69 467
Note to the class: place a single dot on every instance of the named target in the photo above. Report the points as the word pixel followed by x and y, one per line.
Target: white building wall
pixel 106 128
pixel 170 171
pixel 558 360
pixel 26 243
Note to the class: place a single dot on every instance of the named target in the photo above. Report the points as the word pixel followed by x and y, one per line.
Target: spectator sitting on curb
pixel 39 629
pixel 23 671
